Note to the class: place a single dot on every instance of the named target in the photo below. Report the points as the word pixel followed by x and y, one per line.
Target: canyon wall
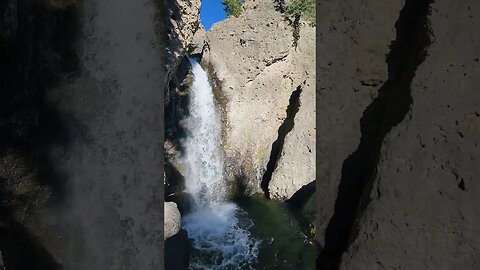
pixel 37 49
pixel 263 63
pixel 398 135
pixel 81 121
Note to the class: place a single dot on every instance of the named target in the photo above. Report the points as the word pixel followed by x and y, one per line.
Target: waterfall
pixel 219 228
pixel 203 156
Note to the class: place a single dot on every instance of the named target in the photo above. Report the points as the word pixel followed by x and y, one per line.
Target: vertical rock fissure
pixel 280 6
pixel 283 130
pixel 387 110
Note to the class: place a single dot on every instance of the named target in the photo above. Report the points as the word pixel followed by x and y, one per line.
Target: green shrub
pixel 305 8
pixel 233 7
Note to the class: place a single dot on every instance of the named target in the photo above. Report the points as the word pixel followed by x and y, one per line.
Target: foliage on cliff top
pixel 305 8
pixel 233 7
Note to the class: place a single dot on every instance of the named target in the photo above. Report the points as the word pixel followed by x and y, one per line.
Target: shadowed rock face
pixel 81 135
pixel 112 217
pixel 396 165
pixel 36 51
pixel 181 24
pixel 171 220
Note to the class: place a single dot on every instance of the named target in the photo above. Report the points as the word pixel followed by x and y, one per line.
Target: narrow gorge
pixel 239 107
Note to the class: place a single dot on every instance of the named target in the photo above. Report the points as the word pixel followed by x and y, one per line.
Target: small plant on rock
pixel 233 7
pixel 305 8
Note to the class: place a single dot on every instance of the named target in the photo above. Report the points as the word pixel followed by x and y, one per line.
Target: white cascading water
pixel 219 228
pixel 203 155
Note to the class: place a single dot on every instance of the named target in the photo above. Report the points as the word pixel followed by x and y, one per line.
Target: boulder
pixel 171 219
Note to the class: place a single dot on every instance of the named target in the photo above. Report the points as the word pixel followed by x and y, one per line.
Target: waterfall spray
pixel 218 227
pixel 204 158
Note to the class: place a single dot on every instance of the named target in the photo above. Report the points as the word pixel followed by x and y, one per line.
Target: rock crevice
pixel 387 110
pixel 283 130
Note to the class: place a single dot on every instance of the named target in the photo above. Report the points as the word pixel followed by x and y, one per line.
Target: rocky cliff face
pixel 181 27
pixel 397 165
pixel 265 77
pixel 71 121
pixel 36 51
pixel 180 23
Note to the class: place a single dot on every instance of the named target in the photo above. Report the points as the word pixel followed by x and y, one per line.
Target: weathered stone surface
pixel 171 219
pixel 258 67
pixel 79 151
pixel 181 20
pixel 296 164
pixel 196 46
pixel 182 33
pixel 424 209
pixel 112 165
pixel 353 40
pixel 418 204
pixel 29 129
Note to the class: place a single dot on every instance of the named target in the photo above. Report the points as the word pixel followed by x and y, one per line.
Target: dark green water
pixel 283 246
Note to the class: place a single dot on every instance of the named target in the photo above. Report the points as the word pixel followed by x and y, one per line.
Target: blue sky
pixel 211 11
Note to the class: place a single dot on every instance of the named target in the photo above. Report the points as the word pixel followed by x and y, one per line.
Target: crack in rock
pixel 283 130
pixel 387 110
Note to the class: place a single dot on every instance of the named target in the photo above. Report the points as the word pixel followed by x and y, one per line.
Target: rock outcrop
pixel 81 141
pixel 351 67
pixel 262 70
pixel 184 23
pixel 181 22
pixel 398 143
pixel 172 220
pixel 36 52
pixel 177 245
pixel 182 32
pixel 111 165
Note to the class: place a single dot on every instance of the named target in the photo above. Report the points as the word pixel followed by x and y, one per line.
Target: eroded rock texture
pixel 181 21
pixel 111 216
pixel 81 143
pixel 399 145
pixel 265 85
pixel 36 51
